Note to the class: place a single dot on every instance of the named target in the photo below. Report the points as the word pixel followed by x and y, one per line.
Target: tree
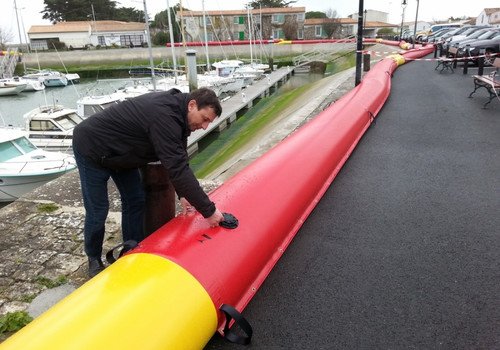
pixel 332 27
pixel 161 38
pixel 85 10
pixel 5 37
pixel 128 14
pixel 290 28
pixel 161 22
pixel 270 3
pixel 315 14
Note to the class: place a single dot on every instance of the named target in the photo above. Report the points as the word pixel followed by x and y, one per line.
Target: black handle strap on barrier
pixel 126 246
pixel 230 334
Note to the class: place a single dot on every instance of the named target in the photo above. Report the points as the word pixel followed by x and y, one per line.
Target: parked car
pixel 483 34
pixel 464 34
pixel 479 47
pixel 435 36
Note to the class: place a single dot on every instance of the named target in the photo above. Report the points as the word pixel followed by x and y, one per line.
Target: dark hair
pixel 205 97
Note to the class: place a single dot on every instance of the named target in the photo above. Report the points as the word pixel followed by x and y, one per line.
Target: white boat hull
pixel 13 187
pixel 8 89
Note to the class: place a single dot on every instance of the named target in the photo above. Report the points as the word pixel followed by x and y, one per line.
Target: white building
pixel 81 34
pixel 489 16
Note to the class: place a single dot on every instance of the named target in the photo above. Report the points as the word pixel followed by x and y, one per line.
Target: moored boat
pixel 11 88
pixel 49 77
pixel 51 127
pixel 24 167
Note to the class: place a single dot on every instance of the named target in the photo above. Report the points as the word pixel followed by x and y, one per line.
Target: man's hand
pixel 186 206
pixel 215 218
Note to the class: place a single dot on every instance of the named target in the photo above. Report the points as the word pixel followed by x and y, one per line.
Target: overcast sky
pixel 429 10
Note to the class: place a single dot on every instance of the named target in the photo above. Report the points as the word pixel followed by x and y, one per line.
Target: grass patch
pixel 47 208
pixel 49 283
pixel 242 131
pixel 27 298
pixel 14 321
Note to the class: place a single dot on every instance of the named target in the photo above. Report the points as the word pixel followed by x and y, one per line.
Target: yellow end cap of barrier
pixel 142 301
pixel 399 59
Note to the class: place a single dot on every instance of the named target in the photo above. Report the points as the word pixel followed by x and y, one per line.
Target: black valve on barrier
pixel 229 221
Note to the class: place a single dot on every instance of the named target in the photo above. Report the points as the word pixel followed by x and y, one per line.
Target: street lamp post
pixel 364 21
pixel 359 44
pixel 403 5
pixel 415 28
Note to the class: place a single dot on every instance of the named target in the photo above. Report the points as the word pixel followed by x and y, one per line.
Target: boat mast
pixel 250 33
pixel 151 63
pixel 206 37
pixel 18 27
pixel 182 25
pixel 172 46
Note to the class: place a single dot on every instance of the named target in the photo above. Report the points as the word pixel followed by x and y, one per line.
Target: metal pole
pixel 170 29
pixel 206 36
pixel 18 28
pixel 151 63
pixel 403 5
pixel 415 29
pixel 359 44
pixel 192 74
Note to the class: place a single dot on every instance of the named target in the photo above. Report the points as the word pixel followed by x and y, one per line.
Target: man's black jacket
pixel 141 130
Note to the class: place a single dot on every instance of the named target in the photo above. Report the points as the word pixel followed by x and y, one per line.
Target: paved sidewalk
pixel 403 251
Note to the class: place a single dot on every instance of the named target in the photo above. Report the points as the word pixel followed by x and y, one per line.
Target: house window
pixel 238 20
pixel 131 40
pixel 318 31
pixel 208 19
pixel 300 34
pixel 101 41
pixel 300 17
pixel 40 44
pixel 278 19
pixel 278 34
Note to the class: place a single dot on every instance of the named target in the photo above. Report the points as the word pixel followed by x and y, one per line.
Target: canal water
pixel 12 108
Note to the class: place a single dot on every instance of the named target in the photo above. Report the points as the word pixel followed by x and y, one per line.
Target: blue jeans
pixel 94 182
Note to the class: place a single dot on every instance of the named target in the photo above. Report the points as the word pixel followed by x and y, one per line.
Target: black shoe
pixel 95 266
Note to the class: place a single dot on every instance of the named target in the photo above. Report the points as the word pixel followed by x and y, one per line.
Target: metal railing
pixel 322 55
pixel 9 62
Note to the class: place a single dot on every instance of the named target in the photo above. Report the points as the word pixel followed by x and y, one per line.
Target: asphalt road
pixel 403 251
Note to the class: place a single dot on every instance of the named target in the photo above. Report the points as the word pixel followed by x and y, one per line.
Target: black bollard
pixel 160 197
pixel 466 61
pixel 480 65
pixel 366 62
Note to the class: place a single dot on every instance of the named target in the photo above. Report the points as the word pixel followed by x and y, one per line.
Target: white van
pixel 436 27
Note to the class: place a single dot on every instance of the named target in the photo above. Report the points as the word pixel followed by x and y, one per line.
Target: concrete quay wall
pixel 129 55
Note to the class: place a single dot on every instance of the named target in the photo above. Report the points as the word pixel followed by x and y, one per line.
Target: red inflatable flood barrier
pixel 271 198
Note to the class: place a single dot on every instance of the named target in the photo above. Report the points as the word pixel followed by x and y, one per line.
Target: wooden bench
pixel 448 61
pixel 490 82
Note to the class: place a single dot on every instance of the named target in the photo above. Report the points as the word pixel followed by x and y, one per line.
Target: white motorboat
pixel 88 105
pixel 24 167
pixel 11 88
pixel 51 127
pixel 236 68
pixel 31 84
pixel 49 77
pixel 73 78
